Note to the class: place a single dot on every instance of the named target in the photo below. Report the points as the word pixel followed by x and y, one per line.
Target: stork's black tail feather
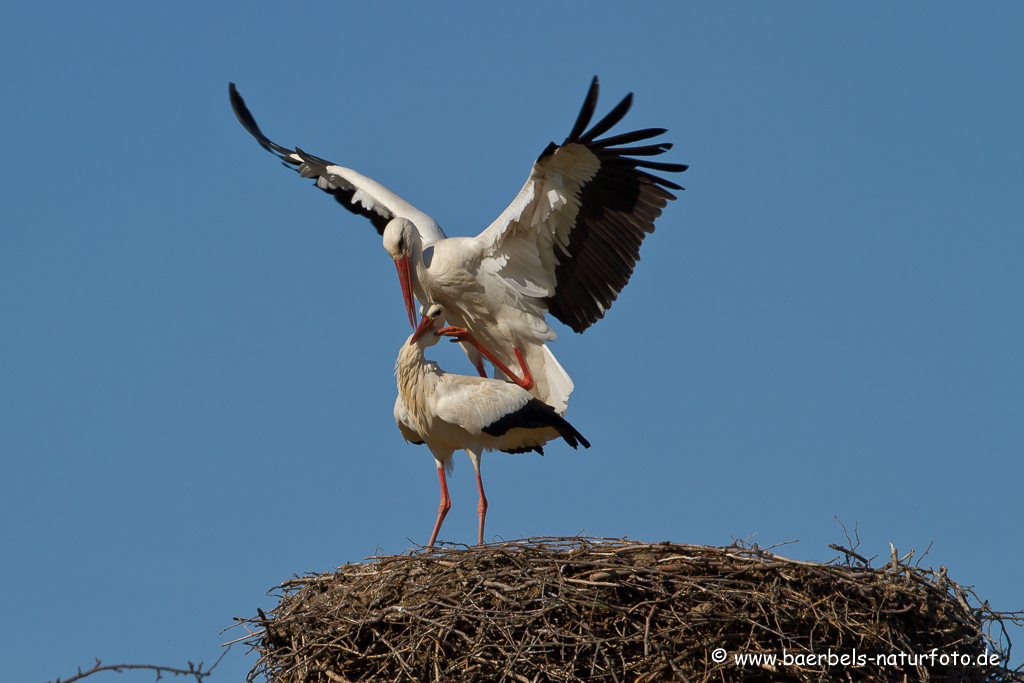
pixel 536 414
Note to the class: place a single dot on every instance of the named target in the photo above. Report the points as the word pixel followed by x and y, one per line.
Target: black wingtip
pixel 586 112
pixel 609 120
pixel 666 166
pixel 242 112
pixel 245 117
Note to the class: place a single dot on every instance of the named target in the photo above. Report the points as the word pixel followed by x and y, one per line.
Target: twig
pixel 192 670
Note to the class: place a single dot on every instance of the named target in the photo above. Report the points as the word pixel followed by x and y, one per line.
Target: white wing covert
pixel 474 403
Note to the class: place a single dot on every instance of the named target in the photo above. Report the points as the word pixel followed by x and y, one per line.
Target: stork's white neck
pixel 417 378
pixel 419 260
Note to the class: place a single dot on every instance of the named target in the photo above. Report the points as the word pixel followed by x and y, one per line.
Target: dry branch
pixel 194 670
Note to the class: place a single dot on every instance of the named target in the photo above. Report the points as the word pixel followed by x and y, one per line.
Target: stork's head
pixel 433 320
pixel 399 237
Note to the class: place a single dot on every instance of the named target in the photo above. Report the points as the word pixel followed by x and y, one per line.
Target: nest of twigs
pixel 584 609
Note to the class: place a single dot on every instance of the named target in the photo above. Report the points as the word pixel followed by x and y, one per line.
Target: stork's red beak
pixel 426 325
pixel 405 279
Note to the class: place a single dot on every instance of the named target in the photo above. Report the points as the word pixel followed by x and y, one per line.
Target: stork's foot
pixel 461 334
pixel 458 334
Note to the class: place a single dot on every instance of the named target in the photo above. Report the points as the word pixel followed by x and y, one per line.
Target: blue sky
pixel 197 347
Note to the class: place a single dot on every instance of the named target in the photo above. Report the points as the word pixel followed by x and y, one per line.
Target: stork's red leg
pixel 443 507
pixel 464 335
pixel 481 507
pixel 480 366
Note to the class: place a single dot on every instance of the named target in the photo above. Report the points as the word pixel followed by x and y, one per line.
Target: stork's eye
pixel 401 244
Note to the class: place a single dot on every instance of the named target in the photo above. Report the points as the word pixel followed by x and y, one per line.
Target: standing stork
pixel 450 412
pixel 567 244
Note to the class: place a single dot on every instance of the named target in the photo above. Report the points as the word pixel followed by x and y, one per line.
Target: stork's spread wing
pixel 354 191
pixel 593 200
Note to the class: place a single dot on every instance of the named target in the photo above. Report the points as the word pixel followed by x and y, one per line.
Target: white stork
pixel 448 412
pixel 567 243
